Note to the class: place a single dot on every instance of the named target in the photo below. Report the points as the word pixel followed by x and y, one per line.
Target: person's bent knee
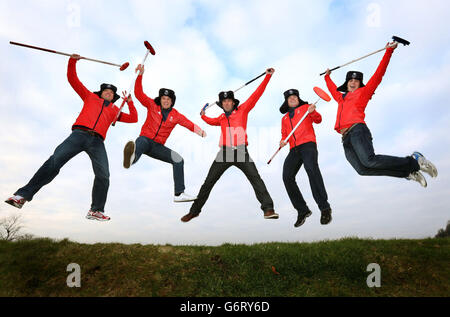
pixel 177 159
pixel 362 171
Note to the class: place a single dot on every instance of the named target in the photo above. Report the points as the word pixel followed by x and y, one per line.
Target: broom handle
pixel 292 132
pixel 129 93
pixel 247 83
pixel 358 59
pixel 61 53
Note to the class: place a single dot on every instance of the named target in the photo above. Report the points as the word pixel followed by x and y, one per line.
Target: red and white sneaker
pixel 97 215
pixel 16 201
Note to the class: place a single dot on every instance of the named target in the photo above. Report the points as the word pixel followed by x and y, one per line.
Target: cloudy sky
pixel 204 47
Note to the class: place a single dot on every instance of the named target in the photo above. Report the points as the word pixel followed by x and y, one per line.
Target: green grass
pixel 330 268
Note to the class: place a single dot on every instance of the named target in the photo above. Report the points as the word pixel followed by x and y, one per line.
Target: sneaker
pixel 128 154
pixel 425 165
pixel 301 218
pixel 325 218
pixel 97 215
pixel 189 216
pixel 418 177
pixel 270 214
pixel 183 197
pixel 16 201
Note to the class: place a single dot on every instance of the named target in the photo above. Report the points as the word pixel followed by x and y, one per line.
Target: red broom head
pixel 124 66
pixel 322 94
pixel 149 47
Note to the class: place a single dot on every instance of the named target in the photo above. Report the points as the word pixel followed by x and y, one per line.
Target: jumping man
pixel 303 150
pixel 233 143
pixel 356 136
pixel 161 120
pixel 88 135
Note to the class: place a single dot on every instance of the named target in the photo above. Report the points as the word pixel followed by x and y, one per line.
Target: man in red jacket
pixel 161 120
pixel 303 150
pixel 88 135
pixel 233 143
pixel 356 136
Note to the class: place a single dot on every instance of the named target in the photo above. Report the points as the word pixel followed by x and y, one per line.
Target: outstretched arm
pixel 211 121
pixel 332 87
pixel 251 102
pixel 138 90
pixel 375 80
pixel 132 117
pixel 72 77
pixel 188 124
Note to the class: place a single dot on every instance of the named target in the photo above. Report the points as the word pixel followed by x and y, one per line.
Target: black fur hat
pixel 227 95
pixel 108 86
pixel 352 75
pixel 291 92
pixel 168 93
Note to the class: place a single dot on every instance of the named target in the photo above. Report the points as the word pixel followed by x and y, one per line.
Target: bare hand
pixel 282 143
pixel 393 45
pixel 328 72
pixel 126 96
pixel 140 69
pixel 201 133
pixel 270 71
pixel 311 108
pixel 75 57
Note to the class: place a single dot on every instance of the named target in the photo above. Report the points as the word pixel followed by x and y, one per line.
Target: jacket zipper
pixel 229 130
pixel 292 127
pixel 340 114
pixel 158 129
pixel 160 124
pixel 101 111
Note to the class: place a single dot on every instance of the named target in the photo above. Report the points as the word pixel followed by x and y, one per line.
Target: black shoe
pixel 129 154
pixel 270 214
pixel 326 217
pixel 301 218
pixel 189 216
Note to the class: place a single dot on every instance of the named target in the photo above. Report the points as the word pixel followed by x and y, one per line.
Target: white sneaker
pixel 425 165
pixel 184 198
pixel 129 154
pixel 97 215
pixel 418 177
pixel 16 201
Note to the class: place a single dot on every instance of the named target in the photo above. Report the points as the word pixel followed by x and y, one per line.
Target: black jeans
pixel 304 154
pixel 76 143
pixel 226 158
pixel 160 152
pixel 359 152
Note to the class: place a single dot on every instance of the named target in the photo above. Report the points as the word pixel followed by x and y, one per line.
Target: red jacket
pixel 94 115
pixel 305 132
pixel 233 128
pixel 155 127
pixel 351 108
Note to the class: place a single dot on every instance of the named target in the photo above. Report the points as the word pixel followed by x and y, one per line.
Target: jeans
pixel 359 152
pixel 226 158
pixel 304 154
pixel 77 142
pixel 160 152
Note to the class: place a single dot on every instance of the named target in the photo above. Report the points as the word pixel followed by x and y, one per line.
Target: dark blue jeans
pixel 77 142
pixel 359 152
pixel 226 158
pixel 160 152
pixel 304 154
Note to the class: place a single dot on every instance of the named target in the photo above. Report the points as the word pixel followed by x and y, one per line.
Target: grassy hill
pixel 330 268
